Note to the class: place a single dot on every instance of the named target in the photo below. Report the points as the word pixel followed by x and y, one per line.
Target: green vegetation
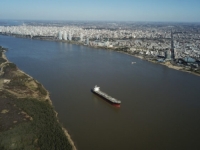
pixel 8 70
pixel 197 71
pixel 43 132
pixel 123 49
pixel 18 82
pixel 2 60
pixel 1 50
pixel 41 89
pixel 27 118
pixel 10 67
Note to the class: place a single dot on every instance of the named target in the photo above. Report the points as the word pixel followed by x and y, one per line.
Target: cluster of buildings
pixel 154 40
pixel 81 33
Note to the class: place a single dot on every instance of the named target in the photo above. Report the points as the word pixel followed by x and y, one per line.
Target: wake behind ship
pixel 110 99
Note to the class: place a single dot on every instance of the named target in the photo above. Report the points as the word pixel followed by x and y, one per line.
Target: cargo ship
pixel 108 98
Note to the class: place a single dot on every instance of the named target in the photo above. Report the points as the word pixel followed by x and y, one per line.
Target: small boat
pixel 133 63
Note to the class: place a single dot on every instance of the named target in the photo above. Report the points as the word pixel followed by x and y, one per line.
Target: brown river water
pixel 160 107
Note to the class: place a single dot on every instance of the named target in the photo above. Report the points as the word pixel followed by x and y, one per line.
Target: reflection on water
pixel 160 107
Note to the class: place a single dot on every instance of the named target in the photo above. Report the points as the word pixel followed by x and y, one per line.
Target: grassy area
pixel 43 132
pixel 9 67
pixel 1 51
pixel 27 119
pixel 8 70
pixel 41 89
pixel 2 60
pixel 18 81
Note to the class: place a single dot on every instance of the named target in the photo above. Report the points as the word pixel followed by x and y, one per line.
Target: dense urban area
pixel 176 45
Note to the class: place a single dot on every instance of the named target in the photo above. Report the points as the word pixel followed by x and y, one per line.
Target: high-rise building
pixel 60 35
pixel 81 37
pixel 87 41
pixel 69 36
pixel 97 37
pixel 172 45
pixel 107 43
pixel 115 35
pixel 64 35
pixel 168 54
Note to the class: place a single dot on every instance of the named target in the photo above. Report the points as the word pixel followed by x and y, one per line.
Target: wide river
pixel 160 107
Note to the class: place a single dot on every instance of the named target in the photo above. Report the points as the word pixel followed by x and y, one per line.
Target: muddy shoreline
pixel 16 87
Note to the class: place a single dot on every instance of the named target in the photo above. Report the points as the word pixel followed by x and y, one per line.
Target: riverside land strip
pixel 176 45
pixel 27 117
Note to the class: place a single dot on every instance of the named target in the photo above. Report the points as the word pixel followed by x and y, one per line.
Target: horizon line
pixel 63 20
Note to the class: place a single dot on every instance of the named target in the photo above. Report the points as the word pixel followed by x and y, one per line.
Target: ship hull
pixel 107 100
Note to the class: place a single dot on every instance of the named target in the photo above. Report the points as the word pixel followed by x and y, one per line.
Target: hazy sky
pixel 113 10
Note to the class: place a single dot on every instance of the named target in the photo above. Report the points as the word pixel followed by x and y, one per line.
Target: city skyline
pixel 127 10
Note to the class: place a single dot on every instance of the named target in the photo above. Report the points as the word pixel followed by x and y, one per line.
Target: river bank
pixel 121 50
pixel 27 117
pixel 167 64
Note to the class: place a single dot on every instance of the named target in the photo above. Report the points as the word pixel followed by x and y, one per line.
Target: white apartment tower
pixel 64 35
pixel 81 37
pixel 69 36
pixel 60 35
